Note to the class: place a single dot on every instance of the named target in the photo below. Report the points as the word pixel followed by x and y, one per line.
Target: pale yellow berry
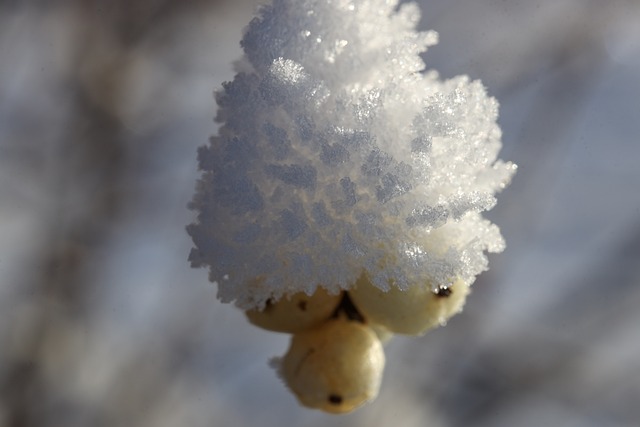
pixel 411 312
pixel 296 313
pixel 336 367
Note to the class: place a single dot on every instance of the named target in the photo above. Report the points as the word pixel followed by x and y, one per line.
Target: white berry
pixel 296 313
pixel 336 367
pixel 411 312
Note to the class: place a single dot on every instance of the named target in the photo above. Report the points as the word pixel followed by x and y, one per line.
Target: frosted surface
pixel 337 153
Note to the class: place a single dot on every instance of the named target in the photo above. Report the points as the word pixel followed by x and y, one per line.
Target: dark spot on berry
pixel 268 305
pixel 443 292
pixel 335 399
pixel 302 305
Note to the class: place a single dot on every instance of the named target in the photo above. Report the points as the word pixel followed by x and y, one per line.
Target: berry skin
pixel 296 313
pixel 336 367
pixel 411 312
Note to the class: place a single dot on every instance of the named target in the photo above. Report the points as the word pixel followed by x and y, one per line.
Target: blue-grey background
pixel 103 323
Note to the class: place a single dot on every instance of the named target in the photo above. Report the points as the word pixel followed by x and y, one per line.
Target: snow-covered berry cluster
pixel 347 180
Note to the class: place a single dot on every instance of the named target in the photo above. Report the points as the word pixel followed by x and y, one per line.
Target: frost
pixel 338 154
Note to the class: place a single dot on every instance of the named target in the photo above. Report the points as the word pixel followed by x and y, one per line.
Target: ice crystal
pixel 338 154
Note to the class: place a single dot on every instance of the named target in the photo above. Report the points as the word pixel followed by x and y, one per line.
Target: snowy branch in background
pixel 341 165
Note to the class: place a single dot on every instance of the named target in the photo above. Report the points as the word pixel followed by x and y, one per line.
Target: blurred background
pixel 103 323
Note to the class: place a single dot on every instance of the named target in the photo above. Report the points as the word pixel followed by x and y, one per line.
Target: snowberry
pixel 411 312
pixel 336 367
pixel 295 313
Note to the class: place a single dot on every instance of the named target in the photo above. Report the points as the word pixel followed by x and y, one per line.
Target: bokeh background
pixel 103 323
